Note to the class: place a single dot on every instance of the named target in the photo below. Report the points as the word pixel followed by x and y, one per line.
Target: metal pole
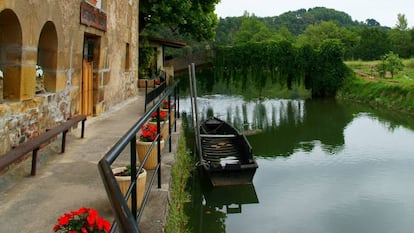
pixel 133 160
pixel 196 109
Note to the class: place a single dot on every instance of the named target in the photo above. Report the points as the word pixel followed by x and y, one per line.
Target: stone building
pixel 63 58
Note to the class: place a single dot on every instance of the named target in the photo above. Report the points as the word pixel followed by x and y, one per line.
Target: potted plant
pixel 123 177
pixel 84 220
pixel 147 137
pixel 40 80
pixel 165 106
pixel 163 122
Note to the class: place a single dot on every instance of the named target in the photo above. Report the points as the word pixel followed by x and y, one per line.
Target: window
pixel 127 57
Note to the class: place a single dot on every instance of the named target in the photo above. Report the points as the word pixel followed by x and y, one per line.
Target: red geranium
pixel 157 81
pixel 167 105
pixel 163 116
pixel 148 133
pixel 84 220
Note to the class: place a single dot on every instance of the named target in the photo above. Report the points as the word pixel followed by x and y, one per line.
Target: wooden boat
pixel 226 155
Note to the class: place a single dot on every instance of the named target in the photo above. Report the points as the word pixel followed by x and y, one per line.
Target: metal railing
pixel 128 219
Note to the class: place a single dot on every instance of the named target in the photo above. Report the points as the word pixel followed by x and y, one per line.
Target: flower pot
pixel 142 148
pixel 125 181
pixel 164 128
pixel 172 116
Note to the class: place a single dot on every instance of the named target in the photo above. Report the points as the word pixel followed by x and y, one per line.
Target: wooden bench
pixel 33 145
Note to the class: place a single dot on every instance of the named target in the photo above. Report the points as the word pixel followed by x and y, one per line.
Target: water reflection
pixel 286 125
pixel 324 166
pixel 213 205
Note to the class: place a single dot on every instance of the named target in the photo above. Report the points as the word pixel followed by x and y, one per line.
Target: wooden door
pixel 87 87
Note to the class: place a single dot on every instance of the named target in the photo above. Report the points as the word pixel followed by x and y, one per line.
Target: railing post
pixel 159 147
pixel 177 101
pixel 169 122
pixel 34 161
pixel 134 176
pixel 62 149
pixel 146 92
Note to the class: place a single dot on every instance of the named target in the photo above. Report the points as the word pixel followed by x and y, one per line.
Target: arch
pixel 10 54
pixel 47 53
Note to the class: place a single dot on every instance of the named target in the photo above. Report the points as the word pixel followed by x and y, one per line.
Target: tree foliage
pixel 195 18
pixel 321 70
pixel 366 40
pixel 390 62
pixel 374 43
pixel 402 24
pixel 252 30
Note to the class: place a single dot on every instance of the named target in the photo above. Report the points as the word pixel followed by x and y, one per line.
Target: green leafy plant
pixel 126 171
pixel 84 220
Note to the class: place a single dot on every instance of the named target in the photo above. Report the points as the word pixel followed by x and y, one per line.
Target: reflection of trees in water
pixel 389 119
pixel 292 124
pixel 260 120
pixel 203 218
pixel 323 121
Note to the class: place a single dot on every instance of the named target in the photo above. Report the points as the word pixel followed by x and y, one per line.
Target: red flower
pixel 163 116
pixel 63 220
pixel 148 133
pixel 167 105
pixel 84 220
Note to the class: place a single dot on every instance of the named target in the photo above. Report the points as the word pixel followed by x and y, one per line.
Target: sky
pixel 383 11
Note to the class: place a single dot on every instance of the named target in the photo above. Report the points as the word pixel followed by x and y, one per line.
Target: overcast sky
pixel 384 11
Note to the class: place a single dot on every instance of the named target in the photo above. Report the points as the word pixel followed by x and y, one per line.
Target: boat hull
pixel 230 177
pixel 226 155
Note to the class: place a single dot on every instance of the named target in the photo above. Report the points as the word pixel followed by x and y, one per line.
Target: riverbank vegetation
pixel 367 86
pixel 181 171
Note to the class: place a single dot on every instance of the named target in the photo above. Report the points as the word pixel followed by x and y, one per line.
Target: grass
pixel 177 220
pixel 363 68
pixel 394 93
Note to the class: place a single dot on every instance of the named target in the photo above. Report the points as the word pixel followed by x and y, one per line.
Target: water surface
pixel 324 167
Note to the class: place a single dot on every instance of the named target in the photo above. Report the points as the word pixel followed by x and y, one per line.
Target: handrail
pixel 128 219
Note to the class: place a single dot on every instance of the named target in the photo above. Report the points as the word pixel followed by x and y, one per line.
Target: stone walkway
pixel 71 180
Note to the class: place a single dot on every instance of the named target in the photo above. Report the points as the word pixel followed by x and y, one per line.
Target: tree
pixel 400 38
pixel 374 43
pixel 372 23
pixel 391 63
pixel 252 30
pixel 314 36
pixel 331 71
pixel 189 17
pixel 401 42
pixel 402 24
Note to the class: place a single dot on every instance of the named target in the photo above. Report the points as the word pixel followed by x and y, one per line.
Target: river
pixel 324 167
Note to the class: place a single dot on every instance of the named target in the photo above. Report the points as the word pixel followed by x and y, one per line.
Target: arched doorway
pixel 10 55
pixel 47 58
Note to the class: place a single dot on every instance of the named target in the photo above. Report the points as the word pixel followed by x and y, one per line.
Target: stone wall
pixel 54 28
pixel 22 120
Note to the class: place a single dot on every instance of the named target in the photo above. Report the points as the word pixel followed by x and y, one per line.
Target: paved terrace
pixel 71 180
